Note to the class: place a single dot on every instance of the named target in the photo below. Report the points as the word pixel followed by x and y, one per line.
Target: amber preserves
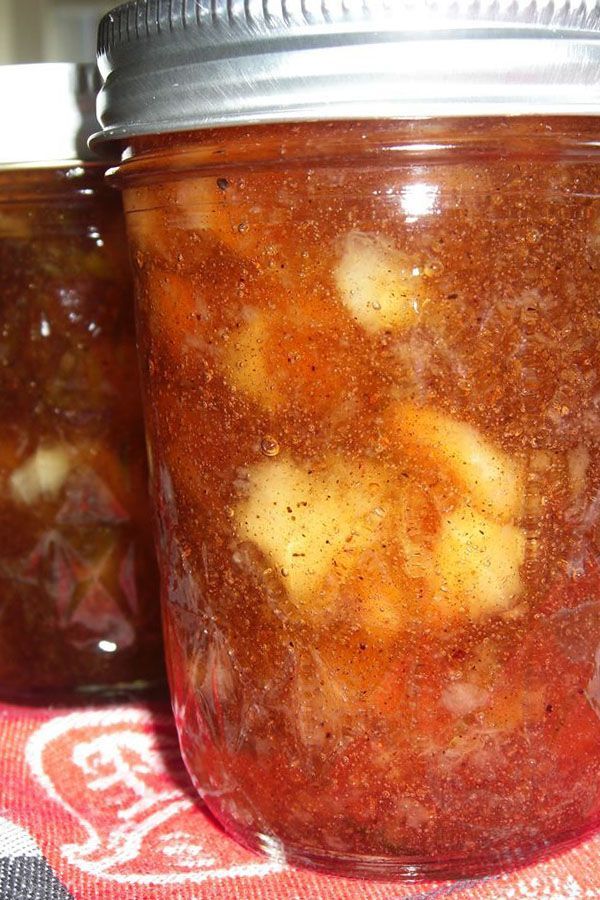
pixel 78 582
pixel 371 363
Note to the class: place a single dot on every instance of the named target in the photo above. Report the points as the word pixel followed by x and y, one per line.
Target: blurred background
pixel 49 30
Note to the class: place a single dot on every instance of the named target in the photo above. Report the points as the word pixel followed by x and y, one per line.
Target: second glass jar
pixel 79 604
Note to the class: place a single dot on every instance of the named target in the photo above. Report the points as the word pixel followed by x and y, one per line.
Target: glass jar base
pixel 409 868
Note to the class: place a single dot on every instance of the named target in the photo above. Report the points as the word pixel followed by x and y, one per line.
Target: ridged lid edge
pixel 174 65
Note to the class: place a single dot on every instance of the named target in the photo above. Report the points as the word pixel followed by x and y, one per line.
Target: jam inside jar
pixel 371 365
pixel 78 584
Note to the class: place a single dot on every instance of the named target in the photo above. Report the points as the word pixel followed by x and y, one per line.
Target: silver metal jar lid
pixel 173 65
pixel 47 112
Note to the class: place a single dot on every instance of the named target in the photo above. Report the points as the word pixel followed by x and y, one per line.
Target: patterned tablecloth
pixel 95 803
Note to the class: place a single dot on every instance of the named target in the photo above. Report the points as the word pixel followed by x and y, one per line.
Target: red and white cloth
pixel 95 805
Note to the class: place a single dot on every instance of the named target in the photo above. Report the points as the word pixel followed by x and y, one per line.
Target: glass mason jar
pixel 370 353
pixel 78 584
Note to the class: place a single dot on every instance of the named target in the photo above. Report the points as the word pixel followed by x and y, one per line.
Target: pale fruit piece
pixel 417 516
pixel 489 477
pixel 199 202
pixel 477 564
pixel 463 697
pixel 201 205
pixel 144 230
pixel 379 286
pixel 285 356
pixel 547 480
pixel 245 363
pixel 178 315
pixel 154 213
pixel 144 209
pixel 578 463
pixel 389 589
pixel 42 475
pixel 311 524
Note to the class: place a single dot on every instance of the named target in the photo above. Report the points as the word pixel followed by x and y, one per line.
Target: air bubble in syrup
pixel 269 445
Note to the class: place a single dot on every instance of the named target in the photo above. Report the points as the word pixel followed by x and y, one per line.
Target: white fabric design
pixel 119 762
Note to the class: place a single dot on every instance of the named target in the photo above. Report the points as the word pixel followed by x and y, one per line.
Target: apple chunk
pixel 310 523
pixel 477 564
pixel 246 363
pixel 491 480
pixel 42 475
pixel 381 289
